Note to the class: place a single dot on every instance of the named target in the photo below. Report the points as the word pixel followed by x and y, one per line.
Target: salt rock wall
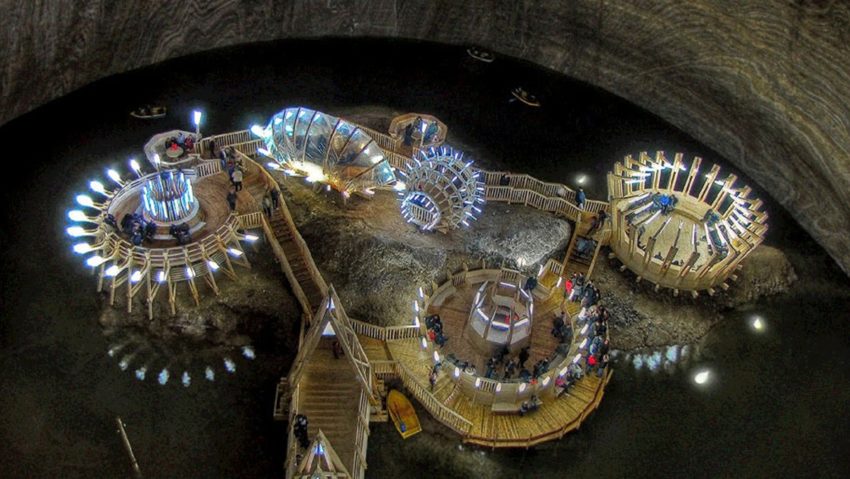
pixel 766 84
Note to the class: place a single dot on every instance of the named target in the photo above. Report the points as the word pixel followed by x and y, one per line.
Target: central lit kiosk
pixel 501 314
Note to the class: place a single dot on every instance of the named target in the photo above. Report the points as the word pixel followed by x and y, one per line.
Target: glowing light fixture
pixel 112 271
pixel 250 237
pixel 85 200
pixel 114 176
pixel 234 252
pixel 95 261
pixel 97 187
pixel 82 248
pixel 259 131
pixel 213 265
pixel 758 324
pixel 77 215
pixel 436 357
pixel 136 276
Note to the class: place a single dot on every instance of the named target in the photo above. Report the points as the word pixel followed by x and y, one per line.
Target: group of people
pixel 135 227
pixel 181 233
pixel 435 330
pixel 597 352
pixel 185 142
pixel 580 289
pixel 427 136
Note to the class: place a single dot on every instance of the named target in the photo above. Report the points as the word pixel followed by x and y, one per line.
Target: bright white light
pixel 258 130
pixel 376 159
pixel 134 164
pixel 421 293
pixel 76 231
pixel 85 200
pixel 424 343
pixel 140 373
pixel 546 381
pixel 97 187
pixel 95 261
pixel 156 158
pixel 190 273
pixel 82 248
pixel 196 117
pixel 213 265
pixel 186 379
pixel 477 382
pixel 266 152
pixel 399 186
pixel 702 376
pixel 273 165
pixel 416 305
pixel 581 179
pixel 234 252
pixel 436 357
pixel 522 387
pixel 248 352
pixel 161 277
pixel 136 277
pixel 757 323
pixel 498 387
pixel 163 377
pixel 250 237
pixel 112 270
pixel 229 365
pixel 209 374
pixel 114 176
pixel 77 215
pixel 456 372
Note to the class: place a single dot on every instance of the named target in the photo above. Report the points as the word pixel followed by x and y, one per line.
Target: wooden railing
pixel 207 168
pixel 292 443
pixel 443 413
pixel 385 333
pixel 361 438
pixel 251 220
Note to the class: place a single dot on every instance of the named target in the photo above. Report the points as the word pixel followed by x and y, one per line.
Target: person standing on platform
pixel 231 198
pixel 523 357
pixel 275 196
pixel 267 205
pixel 237 178
pixel 580 198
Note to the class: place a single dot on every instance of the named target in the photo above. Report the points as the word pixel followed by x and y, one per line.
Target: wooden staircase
pixel 285 236
pixel 329 397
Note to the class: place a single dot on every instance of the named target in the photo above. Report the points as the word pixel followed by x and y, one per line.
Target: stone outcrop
pixel 766 84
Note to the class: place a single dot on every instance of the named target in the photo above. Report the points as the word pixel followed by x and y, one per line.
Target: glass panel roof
pixel 349 159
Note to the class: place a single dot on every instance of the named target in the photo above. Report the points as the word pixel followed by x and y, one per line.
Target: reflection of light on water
pixel 758 324
pixel 114 349
pixel 210 374
pixel 229 365
pixel 637 361
pixel 163 376
pixel 248 352
pixel 125 361
pixel 186 380
pixel 702 376
pixel 140 373
pixel 672 353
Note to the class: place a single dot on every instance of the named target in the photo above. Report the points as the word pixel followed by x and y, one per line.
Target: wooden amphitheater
pixel 342 396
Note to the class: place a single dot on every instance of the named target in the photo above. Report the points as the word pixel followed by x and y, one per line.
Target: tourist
pixel 275 196
pixel 580 198
pixel 432 379
pixel 590 362
pixel 523 356
pixel 267 205
pixel 568 287
pixel 231 198
pixel 181 139
pixel 408 134
pixel 417 124
pixel 510 368
pixel 578 287
pixel 299 430
pixel 491 368
pixel 603 363
pixel 431 132
pixel 237 178
pixel 575 371
pixel 504 180
pixel 150 230
pixel 530 284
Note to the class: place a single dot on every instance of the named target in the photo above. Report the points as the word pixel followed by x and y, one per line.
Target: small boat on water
pixel 149 112
pixel 480 55
pixel 402 413
pixel 522 95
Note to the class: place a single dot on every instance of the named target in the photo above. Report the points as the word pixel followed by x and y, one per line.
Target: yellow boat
pixel 402 414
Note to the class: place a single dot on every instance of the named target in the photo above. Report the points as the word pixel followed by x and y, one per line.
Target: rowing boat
pixel 402 413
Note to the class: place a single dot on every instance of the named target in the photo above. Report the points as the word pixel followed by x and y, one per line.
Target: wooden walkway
pixel 330 396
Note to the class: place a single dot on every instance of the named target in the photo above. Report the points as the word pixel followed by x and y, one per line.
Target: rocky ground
pixel 377 261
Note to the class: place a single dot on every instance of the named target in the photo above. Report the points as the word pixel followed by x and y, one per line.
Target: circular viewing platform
pixel 678 228
pixel 485 400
